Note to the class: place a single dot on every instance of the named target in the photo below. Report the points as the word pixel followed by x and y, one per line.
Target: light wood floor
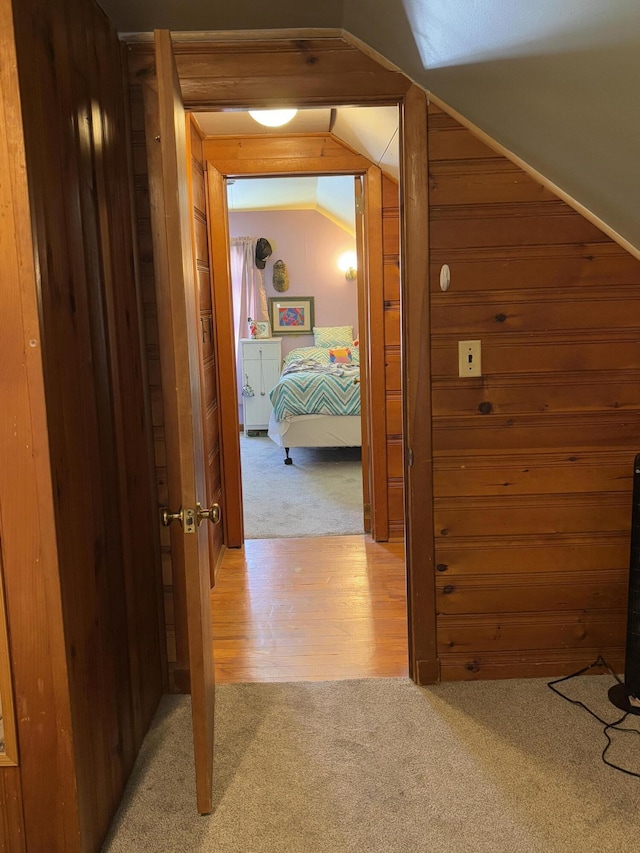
pixel 310 609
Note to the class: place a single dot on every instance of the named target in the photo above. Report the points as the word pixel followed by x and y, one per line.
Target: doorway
pixel 359 586
pixel 335 71
pixel 316 156
pixel 305 377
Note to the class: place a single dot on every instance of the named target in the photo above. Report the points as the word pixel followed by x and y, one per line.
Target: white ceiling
pixel 331 195
pixel 371 131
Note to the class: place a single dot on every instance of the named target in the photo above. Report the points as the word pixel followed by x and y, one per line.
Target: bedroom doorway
pixel 315 157
pixel 299 389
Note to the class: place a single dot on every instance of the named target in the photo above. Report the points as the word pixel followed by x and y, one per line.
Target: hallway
pixel 310 609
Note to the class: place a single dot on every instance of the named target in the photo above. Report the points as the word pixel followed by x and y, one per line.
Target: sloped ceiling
pixel 555 82
pixel 371 131
pixel 332 196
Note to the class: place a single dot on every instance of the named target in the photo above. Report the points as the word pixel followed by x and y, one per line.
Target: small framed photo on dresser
pixel 263 329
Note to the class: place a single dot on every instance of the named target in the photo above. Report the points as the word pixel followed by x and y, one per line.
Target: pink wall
pixel 309 244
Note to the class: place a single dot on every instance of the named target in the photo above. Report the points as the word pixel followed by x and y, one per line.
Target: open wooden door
pixel 165 129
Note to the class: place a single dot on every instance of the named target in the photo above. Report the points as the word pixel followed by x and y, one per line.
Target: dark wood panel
pixel 486 556
pixel 537 311
pixel 513 355
pixel 561 393
pixel 601 629
pixel 523 664
pixel 395 464
pixel 392 330
pixel 531 516
pixel 206 336
pixel 544 433
pixel 493 181
pixel 555 268
pixel 393 369
pixel 212 444
pixel 391 281
pixel 204 290
pixel 329 88
pixel 282 147
pixel 396 500
pixel 201 240
pixel 533 594
pixel 533 474
pixel 77 165
pixel 391 235
pixel 271 58
pixel 454 143
pixel 12 837
pixel 510 225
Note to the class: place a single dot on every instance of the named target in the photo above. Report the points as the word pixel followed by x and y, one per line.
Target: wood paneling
pixel 286 70
pixel 392 338
pixel 81 588
pixel 533 460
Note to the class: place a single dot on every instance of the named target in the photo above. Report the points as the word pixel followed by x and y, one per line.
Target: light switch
pixel 469 358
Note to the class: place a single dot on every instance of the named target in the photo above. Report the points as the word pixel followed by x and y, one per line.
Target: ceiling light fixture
pixel 272 118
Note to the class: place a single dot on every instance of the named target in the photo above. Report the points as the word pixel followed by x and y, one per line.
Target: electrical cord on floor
pixel 615 726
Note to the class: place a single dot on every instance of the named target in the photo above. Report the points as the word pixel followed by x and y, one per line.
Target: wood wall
pixel 533 460
pixel 392 353
pixel 76 147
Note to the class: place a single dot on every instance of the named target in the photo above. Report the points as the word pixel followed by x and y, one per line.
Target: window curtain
pixel 247 284
pixel 249 295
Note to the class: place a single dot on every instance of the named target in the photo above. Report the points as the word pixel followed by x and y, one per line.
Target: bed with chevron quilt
pixel 316 402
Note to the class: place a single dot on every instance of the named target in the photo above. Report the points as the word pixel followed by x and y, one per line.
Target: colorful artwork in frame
pixel 291 315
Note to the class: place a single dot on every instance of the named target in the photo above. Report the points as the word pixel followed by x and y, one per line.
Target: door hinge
pixel 409 458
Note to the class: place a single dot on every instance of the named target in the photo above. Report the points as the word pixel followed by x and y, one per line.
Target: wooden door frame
pixel 373 422
pixel 392 89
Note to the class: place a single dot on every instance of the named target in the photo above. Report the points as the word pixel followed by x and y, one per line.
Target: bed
pixel 316 402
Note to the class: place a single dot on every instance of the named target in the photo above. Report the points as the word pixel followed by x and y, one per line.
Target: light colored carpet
pixel 383 766
pixel 319 495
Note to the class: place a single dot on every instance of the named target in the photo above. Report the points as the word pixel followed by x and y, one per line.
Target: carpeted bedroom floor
pixel 383 766
pixel 319 495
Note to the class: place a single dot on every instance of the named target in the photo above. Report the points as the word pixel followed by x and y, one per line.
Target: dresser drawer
pixel 254 350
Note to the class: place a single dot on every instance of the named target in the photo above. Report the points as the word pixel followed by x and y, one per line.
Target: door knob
pixel 167 517
pixel 212 514
pixel 186 517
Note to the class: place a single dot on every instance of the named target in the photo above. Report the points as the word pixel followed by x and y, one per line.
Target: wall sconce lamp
pixel 348 264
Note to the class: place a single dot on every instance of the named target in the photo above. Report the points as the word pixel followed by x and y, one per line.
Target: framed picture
pixel 263 329
pixel 291 315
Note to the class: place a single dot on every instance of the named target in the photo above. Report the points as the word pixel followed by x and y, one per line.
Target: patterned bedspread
pixel 307 387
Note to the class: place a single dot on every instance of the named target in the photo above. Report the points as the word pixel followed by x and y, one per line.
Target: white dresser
pixel 261 364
